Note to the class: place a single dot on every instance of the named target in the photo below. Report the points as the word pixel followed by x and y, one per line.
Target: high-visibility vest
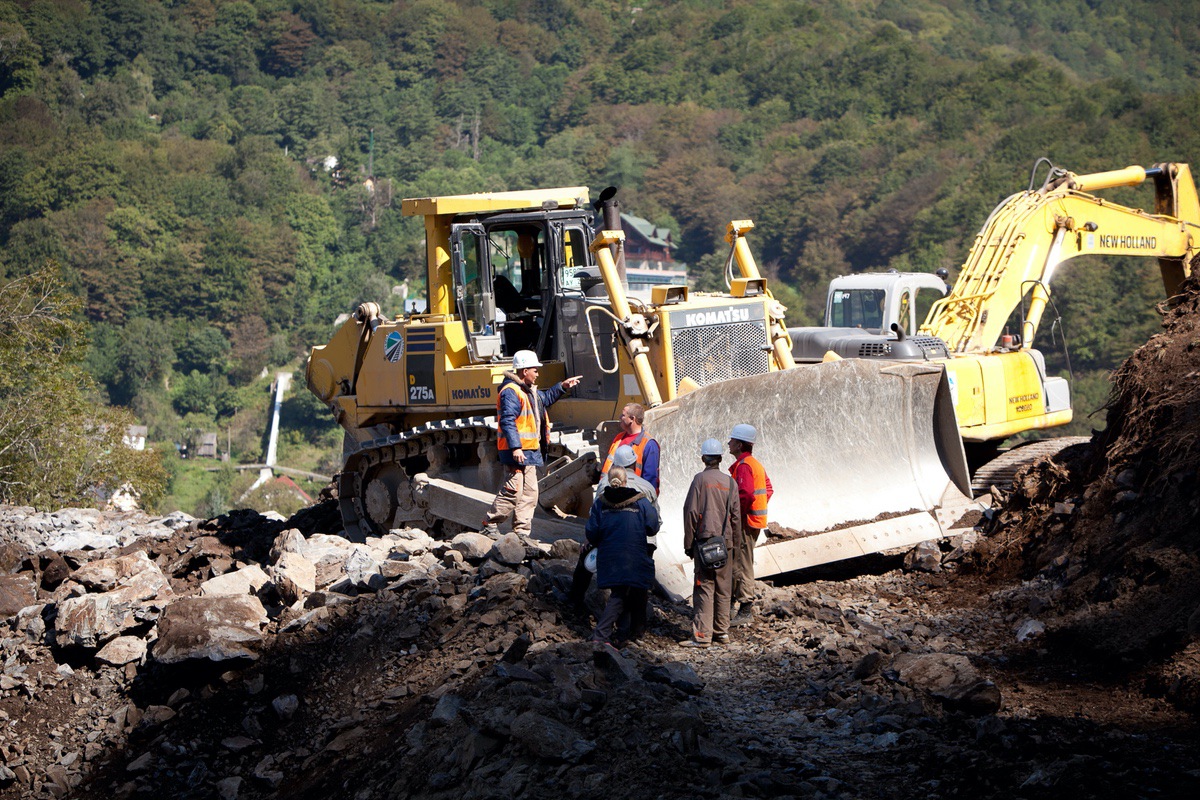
pixel 756 515
pixel 527 427
pixel 639 447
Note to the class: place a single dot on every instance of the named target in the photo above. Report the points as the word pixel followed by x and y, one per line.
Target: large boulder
pixel 951 679
pixel 294 575
pixel 122 650
pixel 474 546
pixel 16 592
pixel 217 628
pixel 92 619
pixel 105 574
pixel 136 589
pixel 247 580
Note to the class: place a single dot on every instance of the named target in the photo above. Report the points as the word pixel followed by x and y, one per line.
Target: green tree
pixel 58 446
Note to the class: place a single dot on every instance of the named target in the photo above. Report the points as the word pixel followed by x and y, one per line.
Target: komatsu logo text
pixel 721 317
pixel 478 393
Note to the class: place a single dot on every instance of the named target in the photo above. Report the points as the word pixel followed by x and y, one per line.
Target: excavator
pixel 863 456
pixel 998 379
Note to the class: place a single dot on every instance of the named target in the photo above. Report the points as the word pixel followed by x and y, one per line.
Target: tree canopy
pixel 199 168
pixel 58 444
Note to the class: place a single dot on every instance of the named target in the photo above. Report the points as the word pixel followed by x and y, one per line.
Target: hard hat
pixel 624 456
pixel 744 433
pixel 589 560
pixel 524 359
pixel 712 447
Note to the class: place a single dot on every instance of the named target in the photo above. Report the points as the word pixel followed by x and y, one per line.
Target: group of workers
pixel 624 520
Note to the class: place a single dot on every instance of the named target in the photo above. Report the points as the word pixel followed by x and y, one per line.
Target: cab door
pixel 473 294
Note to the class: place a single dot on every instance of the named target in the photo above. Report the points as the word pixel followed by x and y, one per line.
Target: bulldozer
pixel 541 270
pixel 999 380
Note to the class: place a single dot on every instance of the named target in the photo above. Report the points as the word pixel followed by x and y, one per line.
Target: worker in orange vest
pixel 645 446
pixel 754 491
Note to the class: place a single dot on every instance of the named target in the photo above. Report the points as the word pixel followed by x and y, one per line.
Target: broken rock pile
pixel 1115 524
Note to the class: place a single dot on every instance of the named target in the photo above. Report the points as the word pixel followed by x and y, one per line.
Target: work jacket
pixel 524 423
pixel 645 447
pixel 754 490
pixel 711 509
pixel 620 523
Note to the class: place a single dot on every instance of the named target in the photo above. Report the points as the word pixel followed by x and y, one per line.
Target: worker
pixel 623 457
pixel 523 435
pixel 754 491
pixel 711 510
pixel 620 520
pixel 645 447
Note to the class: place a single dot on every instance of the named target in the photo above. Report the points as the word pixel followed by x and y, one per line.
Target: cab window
pixel 516 256
pixel 471 284
pixel 574 258
pixel 857 308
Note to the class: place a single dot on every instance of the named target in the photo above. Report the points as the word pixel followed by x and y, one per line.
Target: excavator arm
pixel 1026 237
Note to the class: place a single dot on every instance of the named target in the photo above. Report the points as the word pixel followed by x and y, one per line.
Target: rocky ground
pixel 249 656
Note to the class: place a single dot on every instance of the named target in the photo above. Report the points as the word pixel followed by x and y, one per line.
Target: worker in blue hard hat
pixel 754 491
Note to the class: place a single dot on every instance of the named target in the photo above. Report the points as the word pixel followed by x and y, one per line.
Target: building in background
pixel 648 258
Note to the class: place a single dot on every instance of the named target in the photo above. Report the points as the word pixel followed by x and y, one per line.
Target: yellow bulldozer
pixel 540 270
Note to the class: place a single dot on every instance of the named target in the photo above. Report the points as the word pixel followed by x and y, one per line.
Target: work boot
pixel 720 638
pixel 744 616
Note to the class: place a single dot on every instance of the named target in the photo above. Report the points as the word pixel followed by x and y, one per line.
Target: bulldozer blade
pixel 845 444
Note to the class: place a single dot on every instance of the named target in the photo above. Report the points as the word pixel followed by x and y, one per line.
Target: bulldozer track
pixel 375 484
pixel 999 471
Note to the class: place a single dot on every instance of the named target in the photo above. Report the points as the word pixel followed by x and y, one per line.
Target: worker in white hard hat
pixel 522 436
pixel 711 511
pixel 754 491
pixel 622 457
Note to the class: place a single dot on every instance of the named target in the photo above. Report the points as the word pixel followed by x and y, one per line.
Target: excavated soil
pixel 1059 657
pixel 1116 522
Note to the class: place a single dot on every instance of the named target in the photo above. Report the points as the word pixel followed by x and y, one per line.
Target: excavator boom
pixel 1026 237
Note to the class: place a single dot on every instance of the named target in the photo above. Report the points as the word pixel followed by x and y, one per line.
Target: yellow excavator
pixel 998 379
pixel 541 270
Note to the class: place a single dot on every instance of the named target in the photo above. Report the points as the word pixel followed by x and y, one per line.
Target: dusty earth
pixel 1055 656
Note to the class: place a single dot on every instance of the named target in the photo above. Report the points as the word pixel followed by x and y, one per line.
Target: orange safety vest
pixel 756 515
pixel 527 427
pixel 639 447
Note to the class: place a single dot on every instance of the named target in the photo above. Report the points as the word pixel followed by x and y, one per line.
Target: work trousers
pixel 743 566
pixel 580 580
pixel 518 496
pixel 622 600
pixel 711 601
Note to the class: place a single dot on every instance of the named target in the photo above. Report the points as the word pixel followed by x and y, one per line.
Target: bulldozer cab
pixel 509 270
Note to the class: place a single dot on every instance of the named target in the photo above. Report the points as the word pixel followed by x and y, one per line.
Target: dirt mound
pixel 1117 521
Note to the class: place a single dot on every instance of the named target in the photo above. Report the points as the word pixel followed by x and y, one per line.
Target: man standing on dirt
pixel 754 490
pixel 523 435
pixel 645 447
pixel 711 510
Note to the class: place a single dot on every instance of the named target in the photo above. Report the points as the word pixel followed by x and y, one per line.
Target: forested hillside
pixel 197 169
